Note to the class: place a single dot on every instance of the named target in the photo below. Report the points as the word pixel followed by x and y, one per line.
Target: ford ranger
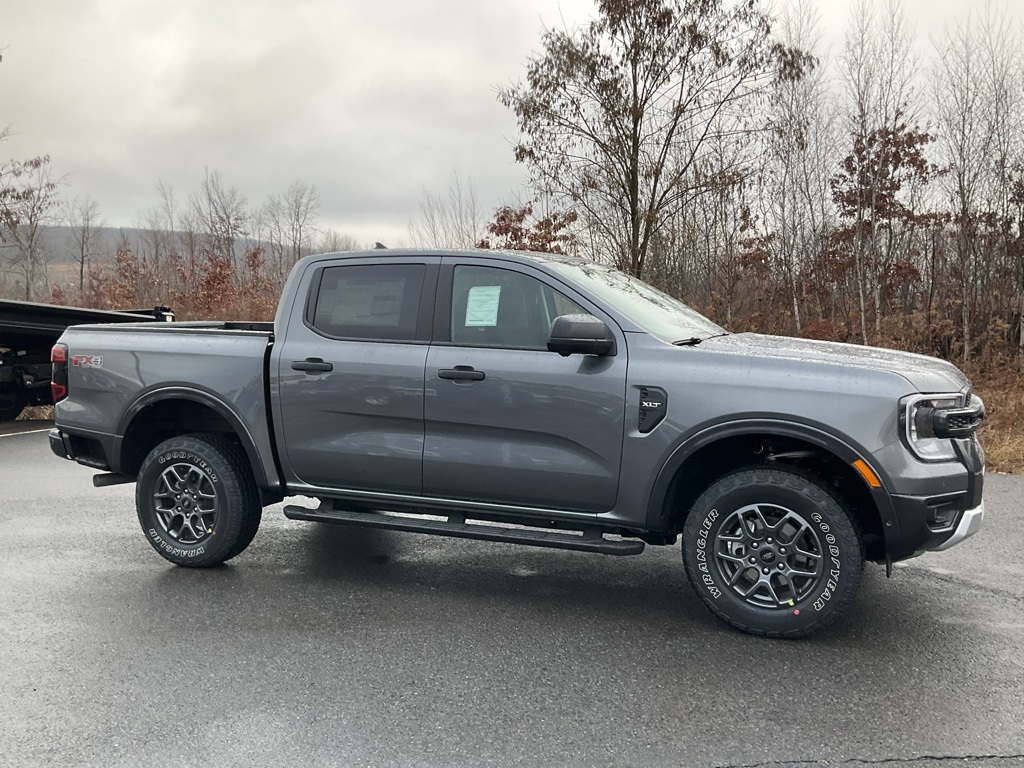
pixel 531 399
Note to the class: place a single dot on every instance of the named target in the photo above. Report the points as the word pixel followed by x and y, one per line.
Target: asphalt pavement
pixel 335 646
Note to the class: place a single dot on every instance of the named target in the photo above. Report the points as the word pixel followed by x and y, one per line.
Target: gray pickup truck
pixel 531 399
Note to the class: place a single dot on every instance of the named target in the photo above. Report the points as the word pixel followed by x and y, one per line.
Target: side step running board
pixel 455 525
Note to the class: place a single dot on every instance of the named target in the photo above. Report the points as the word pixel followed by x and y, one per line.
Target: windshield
pixel 657 313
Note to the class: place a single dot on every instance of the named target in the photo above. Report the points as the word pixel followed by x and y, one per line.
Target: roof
pixel 535 257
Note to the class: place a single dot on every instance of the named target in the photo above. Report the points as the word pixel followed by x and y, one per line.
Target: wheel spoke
pixel 789 585
pixel 737 576
pixel 724 538
pixel 800 524
pixel 756 510
pixel 733 558
pixel 803 574
pixel 771 590
pixel 753 588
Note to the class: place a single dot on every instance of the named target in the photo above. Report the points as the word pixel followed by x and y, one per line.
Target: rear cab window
pixel 368 302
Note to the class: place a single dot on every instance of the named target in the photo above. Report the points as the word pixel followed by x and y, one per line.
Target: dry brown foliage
pixel 1003 432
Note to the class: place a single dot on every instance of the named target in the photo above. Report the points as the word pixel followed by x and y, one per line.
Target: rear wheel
pixel 197 501
pixel 773 552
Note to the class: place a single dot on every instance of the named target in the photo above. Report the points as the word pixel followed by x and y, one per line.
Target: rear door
pixel 507 421
pixel 350 375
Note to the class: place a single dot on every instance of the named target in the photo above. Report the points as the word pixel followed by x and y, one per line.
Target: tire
pixel 197 500
pixel 773 552
pixel 12 403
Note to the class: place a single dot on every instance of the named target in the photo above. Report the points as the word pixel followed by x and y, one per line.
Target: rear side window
pixel 374 302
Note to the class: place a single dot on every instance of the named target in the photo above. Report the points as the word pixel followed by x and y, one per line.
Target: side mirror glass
pixel 580 334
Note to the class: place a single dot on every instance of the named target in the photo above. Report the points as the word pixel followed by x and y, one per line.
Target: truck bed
pixel 119 370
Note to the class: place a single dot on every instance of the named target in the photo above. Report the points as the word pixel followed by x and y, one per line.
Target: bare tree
pixel 28 203
pixel 878 66
pixel 289 224
pixel 794 196
pixel 333 241
pixel 617 116
pixel 974 75
pixel 220 211
pixel 450 220
pixel 81 215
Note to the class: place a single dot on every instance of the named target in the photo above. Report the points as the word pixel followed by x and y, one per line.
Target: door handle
pixel 461 373
pixel 312 365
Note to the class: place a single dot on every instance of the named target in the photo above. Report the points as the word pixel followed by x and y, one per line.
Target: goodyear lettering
pixel 186 456
pixel 832 583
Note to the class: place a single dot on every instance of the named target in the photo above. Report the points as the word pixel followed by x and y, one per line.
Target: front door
pixel 507 421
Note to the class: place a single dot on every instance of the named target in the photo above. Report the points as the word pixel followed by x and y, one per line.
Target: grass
pixel 37 412
pixel 1002 435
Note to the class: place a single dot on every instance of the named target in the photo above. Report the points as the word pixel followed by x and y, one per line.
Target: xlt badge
pixel 653 405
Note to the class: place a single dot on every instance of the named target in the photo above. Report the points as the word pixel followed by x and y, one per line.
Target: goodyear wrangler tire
pixel 197 501
pixel 773 552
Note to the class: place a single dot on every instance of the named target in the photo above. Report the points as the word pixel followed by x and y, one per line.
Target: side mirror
pixel 580 334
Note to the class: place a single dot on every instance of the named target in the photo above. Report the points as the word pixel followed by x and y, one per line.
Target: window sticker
pixel 482 306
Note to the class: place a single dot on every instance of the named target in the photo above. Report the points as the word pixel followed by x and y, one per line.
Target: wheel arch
pixel 168 412
pixel 716 450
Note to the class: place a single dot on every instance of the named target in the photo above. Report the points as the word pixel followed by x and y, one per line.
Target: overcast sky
pixel 370 101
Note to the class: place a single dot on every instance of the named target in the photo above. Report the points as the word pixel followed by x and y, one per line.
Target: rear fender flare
pixel 212 402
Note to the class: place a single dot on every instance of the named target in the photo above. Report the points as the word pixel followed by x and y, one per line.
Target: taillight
pixel 59 377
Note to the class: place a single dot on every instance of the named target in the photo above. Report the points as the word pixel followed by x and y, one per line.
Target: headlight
pixel 917 418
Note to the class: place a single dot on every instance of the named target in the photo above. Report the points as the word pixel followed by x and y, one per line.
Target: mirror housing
pixel 580 334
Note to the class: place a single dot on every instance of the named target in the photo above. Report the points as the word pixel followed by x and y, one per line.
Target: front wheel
pixel 197 501
pixel 773 552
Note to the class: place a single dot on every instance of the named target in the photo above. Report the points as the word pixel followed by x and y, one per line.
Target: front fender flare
pixel 705 435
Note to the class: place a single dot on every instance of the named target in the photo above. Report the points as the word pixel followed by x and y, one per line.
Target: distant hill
pixel 62 249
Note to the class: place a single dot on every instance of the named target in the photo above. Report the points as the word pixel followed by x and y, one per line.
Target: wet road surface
pixel 340 646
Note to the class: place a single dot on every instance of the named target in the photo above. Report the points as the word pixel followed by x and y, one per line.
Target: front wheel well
pixel 728 454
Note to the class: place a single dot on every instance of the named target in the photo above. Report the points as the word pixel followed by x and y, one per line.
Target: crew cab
pixel 532 399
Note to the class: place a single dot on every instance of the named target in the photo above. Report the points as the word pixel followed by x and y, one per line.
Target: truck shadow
pixel 511 577
pixel 650 590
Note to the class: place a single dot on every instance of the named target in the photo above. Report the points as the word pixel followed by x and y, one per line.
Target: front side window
pixel 501 308
pixel 375 302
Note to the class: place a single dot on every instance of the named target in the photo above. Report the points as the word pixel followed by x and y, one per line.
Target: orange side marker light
pixel 867 473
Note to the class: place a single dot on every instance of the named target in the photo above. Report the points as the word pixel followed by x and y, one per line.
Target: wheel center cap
pixel 767 556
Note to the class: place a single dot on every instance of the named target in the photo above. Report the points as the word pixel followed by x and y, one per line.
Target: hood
pixel 926 374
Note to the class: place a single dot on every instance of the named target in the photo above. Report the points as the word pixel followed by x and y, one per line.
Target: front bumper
pixel 934 506
pixel 970 524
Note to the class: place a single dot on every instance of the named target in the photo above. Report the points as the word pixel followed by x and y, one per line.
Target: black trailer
pixel 27 333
